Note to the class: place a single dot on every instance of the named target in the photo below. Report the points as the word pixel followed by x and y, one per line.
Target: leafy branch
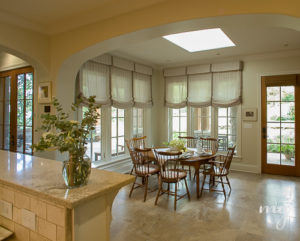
pixel 63 134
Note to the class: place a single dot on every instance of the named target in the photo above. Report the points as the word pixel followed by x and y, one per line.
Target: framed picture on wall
pixel 250 114
pixel 44 93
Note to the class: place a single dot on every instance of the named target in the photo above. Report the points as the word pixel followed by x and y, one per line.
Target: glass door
pixel 16 110
pixel 279 154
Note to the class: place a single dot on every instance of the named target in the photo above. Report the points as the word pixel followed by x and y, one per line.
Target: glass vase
pixel 76 171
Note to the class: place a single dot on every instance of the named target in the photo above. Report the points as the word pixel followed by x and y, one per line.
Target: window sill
pixel 111 161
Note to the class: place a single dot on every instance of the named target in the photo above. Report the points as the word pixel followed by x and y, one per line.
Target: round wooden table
pixel 194 161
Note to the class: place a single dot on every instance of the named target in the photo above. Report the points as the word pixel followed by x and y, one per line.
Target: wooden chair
pixel 132 143
pixel 219 170
pixel 170 172
pixel 190 142
pixel 142 168
pixel 210 144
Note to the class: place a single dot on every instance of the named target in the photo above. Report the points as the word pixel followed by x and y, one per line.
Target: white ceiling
pixel 249 40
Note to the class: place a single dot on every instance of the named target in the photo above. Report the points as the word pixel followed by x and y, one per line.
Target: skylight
pixel 201 40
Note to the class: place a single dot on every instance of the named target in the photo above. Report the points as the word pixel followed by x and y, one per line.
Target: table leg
pixel 197 170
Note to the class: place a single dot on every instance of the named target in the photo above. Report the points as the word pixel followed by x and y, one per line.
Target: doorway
pixel 280 135
pixel 16 110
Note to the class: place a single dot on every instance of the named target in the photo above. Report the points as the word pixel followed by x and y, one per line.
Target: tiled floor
pixel 260 207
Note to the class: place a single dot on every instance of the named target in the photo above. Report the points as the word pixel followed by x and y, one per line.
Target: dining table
pixel 195 160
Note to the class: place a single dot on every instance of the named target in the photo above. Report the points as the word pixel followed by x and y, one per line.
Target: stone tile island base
pixel 36 206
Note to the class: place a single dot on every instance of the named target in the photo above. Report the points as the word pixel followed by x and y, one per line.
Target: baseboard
pixel 245 167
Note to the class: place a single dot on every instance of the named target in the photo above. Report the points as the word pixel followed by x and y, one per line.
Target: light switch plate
pixel 28 219
pixel 6 209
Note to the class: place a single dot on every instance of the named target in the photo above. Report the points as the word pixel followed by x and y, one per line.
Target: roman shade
pixel 141 95
pixel 95 82
pixel 176 91
pixel 121 88
pixel 116 81
pixel 198 86
pixel 227 88
pixel 199 90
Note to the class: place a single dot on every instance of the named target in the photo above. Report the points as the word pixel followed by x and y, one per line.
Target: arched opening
pixel 18 100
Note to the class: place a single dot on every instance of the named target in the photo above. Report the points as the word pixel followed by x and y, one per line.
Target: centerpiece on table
pixel 65 135
pixel 176 145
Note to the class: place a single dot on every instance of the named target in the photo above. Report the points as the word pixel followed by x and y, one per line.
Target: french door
pixel 280 125
pixel 16 110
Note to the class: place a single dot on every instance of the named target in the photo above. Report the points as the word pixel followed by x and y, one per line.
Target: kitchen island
pixel 36 205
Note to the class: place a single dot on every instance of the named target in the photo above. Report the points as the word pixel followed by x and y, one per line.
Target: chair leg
pixel 190 173
pixel 187 189
pixel 146 188
pixel 132 187
pixel 223 187
pixel 175 199
pixel 203 182
pixel 158 193
pixel 227 179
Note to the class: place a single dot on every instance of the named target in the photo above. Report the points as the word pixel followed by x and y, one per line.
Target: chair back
pixel 139 142
pixel 169 164
pixel 228 159
pixel 135 143
pixel 141 161
pixel 130 149
pixel 210 144
pixel 190 141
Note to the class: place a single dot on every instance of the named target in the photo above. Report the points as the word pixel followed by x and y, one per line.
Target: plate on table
pixel 203 153
pixel 187 154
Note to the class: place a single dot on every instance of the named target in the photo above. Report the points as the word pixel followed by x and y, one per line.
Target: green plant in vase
pixel 65 135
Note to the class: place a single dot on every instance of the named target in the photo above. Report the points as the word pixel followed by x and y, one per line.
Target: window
pixel 227 127
pixel 117 132
pixel 138 122
pixel 221 123
pixel 178 121
pixel 94 143
pixel 201 121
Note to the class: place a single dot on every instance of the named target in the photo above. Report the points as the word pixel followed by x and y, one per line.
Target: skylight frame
pixel 201 40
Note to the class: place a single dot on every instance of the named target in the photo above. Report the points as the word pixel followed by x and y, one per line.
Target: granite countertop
pixel 42 177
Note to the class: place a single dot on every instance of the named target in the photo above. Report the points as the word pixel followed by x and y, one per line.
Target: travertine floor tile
pixel 259 208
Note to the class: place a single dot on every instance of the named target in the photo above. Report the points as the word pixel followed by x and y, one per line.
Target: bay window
pixel 117 131
pixel 227 127
pixel 216 122
pixel 94 142
pixel 137 122
pixel 123 88
pixel 201 121
pixel 178 123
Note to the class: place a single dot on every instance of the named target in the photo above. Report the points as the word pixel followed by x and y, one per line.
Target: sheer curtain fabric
pixel 95 82
pixel 121 88
pixel 141 94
